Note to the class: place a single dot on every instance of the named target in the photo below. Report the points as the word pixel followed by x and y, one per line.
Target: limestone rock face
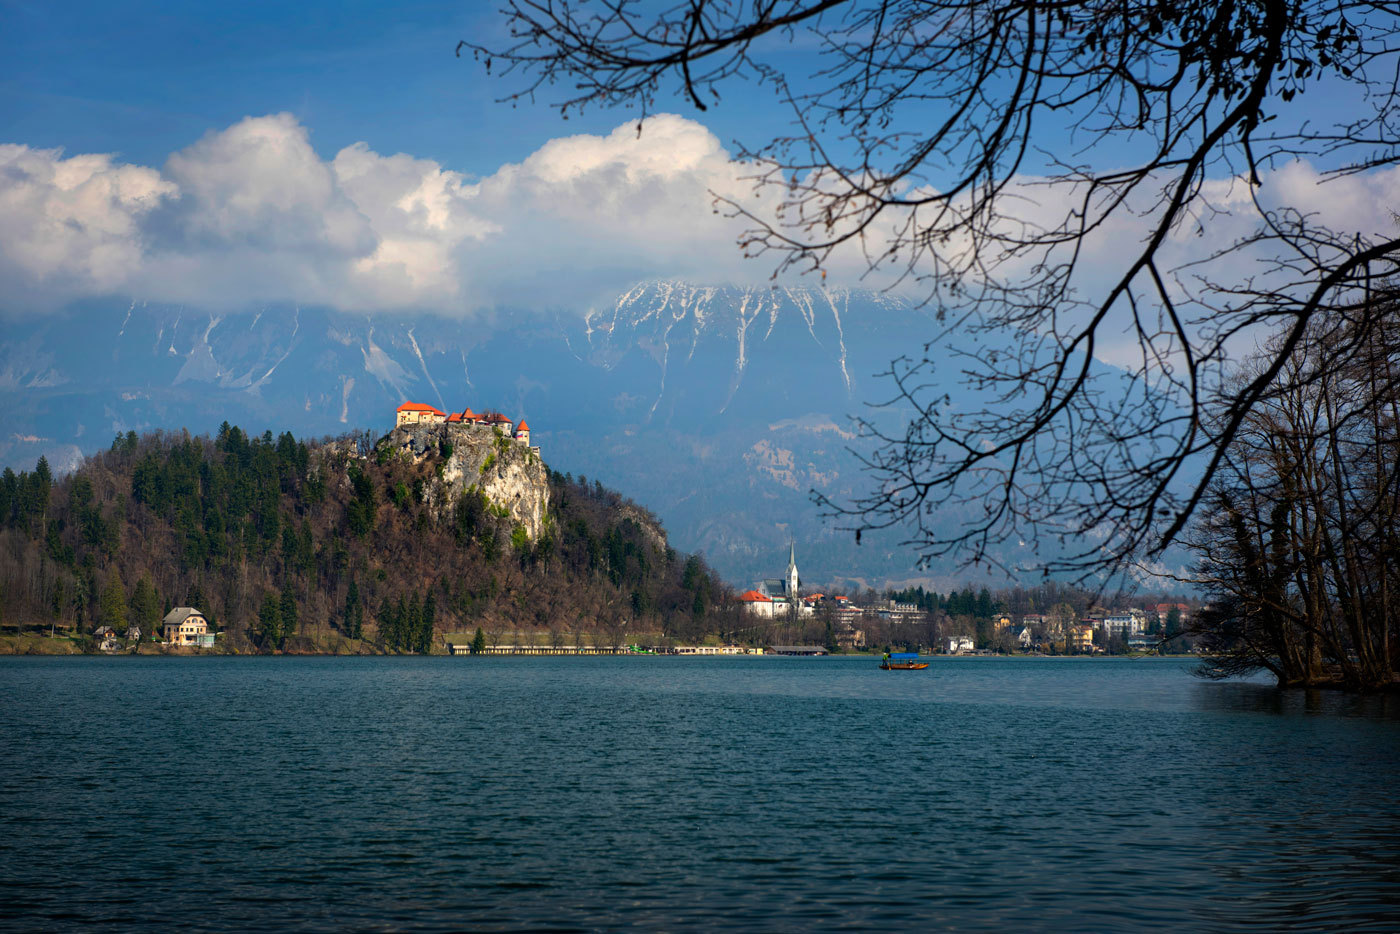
pixel 508 472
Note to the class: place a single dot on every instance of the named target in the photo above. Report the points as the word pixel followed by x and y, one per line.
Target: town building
pixel 897 613
pixel 757 604
pixel 185 625
pixel 849 637
pixel 957 645
pixel 1082 637
pixel 1121 624
pixel 1164 610
pixel 844 612
pixel 730 649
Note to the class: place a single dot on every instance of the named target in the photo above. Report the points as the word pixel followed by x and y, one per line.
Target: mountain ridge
pixel 718 406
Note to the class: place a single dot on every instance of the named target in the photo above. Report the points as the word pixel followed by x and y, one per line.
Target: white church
pixel 776 596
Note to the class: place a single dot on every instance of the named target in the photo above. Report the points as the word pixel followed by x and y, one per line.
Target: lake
pixel 587 793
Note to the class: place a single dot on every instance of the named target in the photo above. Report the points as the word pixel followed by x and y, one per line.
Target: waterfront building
pixel 1124 623
pixel 730 649
pixel 1082 637
pixel 185 625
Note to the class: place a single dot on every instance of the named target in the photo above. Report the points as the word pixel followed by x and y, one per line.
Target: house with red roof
pixel 756 603
pixel 416 413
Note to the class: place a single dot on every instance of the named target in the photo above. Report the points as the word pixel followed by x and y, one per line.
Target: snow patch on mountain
pixel 200 364
pixel 413 342
pixel 383 367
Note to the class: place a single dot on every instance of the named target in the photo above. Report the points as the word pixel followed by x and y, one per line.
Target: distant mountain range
pixel 719 408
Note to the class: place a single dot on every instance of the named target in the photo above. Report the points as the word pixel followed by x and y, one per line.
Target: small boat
pixel 902 661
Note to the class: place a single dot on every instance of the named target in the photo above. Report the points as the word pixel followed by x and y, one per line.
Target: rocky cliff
pixel 508 473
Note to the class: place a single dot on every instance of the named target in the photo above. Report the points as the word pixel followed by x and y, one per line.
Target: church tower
pixel 792 579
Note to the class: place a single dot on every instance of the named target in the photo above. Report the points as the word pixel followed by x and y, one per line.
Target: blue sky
pixel 251 152
pixel 174 94
pixel 143 79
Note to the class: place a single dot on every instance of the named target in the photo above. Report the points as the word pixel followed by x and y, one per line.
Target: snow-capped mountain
pixel 718 407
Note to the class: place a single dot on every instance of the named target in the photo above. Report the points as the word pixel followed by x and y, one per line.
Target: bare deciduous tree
pixel 979 147
pixel 1300 545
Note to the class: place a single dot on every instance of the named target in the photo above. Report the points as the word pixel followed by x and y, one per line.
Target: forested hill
pixel 339 545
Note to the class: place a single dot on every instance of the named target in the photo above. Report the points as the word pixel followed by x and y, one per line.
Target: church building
pixel 775 596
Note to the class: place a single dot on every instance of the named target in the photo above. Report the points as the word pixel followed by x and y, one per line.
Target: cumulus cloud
pixel 253 213
pixel 588 214
pixel 72 227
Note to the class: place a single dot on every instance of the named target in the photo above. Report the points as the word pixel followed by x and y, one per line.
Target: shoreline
pixel 41 644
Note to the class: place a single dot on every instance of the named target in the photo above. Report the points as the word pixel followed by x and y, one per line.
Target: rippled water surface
pixel 778 794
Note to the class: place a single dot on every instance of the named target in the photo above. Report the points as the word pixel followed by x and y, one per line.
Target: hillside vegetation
pixel 340 545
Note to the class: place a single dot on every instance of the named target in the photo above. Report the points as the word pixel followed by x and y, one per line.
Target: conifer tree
pixel 354 612
pixel 424 636
pixel 270 621
pixel 288 611
pixel 111 610
pixel 145 606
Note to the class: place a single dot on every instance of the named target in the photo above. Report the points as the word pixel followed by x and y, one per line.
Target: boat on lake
pixel 902 661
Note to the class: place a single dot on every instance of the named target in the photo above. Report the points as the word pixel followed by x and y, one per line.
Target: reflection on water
pixel 740 794
pixel 1254 697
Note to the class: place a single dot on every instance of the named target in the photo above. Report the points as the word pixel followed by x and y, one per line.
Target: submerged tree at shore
pixel 1300 546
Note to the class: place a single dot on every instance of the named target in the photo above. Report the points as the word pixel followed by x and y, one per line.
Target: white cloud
pixel 423 216
pixel 72 226
pixel 252 213
pixel 588 215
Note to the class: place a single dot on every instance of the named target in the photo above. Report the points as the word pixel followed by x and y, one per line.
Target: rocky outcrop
pixel 651 529
pixel 509 473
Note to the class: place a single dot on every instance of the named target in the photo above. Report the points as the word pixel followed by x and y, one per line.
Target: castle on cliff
pixel 416 413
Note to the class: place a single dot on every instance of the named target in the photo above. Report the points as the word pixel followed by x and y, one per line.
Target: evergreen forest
pixel 334 546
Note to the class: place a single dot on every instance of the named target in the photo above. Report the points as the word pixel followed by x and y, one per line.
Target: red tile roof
pixel 753 596
pixel 522 427
pixel 417 407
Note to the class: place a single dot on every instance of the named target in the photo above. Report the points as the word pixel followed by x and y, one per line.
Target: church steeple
pixel 792 579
